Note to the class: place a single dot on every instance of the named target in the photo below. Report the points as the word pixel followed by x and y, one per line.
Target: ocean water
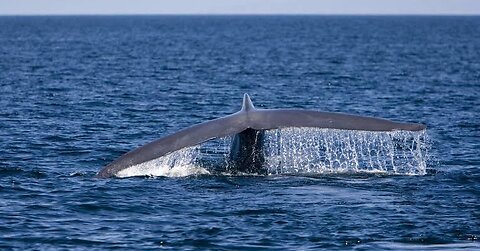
pixel 77 92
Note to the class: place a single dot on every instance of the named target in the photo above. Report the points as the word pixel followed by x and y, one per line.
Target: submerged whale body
pixel 248 126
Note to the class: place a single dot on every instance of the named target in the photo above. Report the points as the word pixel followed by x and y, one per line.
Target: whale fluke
pixel 244 124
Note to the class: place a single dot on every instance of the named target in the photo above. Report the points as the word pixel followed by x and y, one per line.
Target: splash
pixel 303 151
pixel 180 163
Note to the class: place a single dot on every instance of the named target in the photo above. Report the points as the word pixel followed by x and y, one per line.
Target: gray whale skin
pixel 248 126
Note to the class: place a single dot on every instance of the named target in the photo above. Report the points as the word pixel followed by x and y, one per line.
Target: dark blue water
pixel 77 92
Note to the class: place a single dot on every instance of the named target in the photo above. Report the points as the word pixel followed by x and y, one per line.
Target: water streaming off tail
pixel 303 151
pixel 176 164
pixel 194 160
pixel 315 150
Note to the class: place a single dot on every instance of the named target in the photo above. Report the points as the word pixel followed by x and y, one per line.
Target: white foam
pixel 180 163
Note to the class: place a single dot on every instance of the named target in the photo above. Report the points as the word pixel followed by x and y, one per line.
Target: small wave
pixel 18 171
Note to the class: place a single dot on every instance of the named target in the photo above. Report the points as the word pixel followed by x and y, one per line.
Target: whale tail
pixel 248 126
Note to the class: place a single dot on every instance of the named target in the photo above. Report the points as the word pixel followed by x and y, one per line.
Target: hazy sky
pixel 16 7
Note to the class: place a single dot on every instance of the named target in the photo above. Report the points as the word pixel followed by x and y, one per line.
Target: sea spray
pixel 176 164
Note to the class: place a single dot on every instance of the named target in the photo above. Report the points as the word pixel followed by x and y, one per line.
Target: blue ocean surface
pixel 77 92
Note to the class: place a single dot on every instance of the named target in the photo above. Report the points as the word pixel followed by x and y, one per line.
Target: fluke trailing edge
pixel 247 126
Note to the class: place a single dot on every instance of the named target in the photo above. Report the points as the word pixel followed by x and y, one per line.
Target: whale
pixel 247 127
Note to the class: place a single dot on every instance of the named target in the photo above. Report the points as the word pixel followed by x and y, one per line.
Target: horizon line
pixel 239 14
